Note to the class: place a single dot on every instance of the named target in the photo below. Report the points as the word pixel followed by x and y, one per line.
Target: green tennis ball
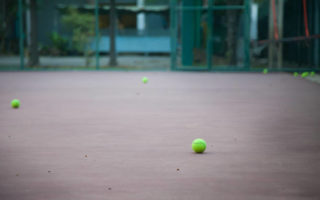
pixel 304 74
pixel 15 103
pixel 295 74
pixel 199 145
pixel 312 73
pixel 144 80
pixel 265 71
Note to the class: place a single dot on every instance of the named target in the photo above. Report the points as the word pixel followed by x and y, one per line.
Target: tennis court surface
pixel 106 135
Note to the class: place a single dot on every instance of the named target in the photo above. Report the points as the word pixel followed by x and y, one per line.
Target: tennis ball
pixel 265 71
pixel 295 74
pixel 199 145
pixel 15 103
pixel 304 74
pixel 144 80
pixel 312 73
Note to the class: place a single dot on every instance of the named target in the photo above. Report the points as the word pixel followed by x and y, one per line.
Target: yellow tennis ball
pixel 199 145
pixel 304 74
pixel 144 80
pixel 265 71
pixel 15 103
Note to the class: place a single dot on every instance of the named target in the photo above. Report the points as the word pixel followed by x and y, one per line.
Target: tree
pixel 233 17
pixel 113 22
pixel 8 15
pixel 82 25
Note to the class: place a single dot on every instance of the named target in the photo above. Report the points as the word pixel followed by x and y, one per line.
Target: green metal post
pixel 173 33
pixel 97 33
pixel 187 33
pixel 197 42
pixel 317 31
pixel 209 34
pixel 247 35
pixel 21 35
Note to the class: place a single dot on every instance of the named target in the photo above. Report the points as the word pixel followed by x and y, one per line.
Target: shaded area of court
pixel 105 135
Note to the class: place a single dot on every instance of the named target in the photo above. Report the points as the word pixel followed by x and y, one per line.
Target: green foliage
pixel 59 43
pixel 82 27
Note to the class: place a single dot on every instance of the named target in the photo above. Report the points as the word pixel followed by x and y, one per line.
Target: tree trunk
pixel 280 27
pixel 232 28
pixel 113 20
pixel 33 47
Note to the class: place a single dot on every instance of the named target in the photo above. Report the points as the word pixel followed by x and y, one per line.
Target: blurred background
pixel 212 35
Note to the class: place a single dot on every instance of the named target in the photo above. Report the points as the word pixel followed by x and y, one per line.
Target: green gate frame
pixel 174 7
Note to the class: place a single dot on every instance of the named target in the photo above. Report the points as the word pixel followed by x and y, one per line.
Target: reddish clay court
pixel 108 136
